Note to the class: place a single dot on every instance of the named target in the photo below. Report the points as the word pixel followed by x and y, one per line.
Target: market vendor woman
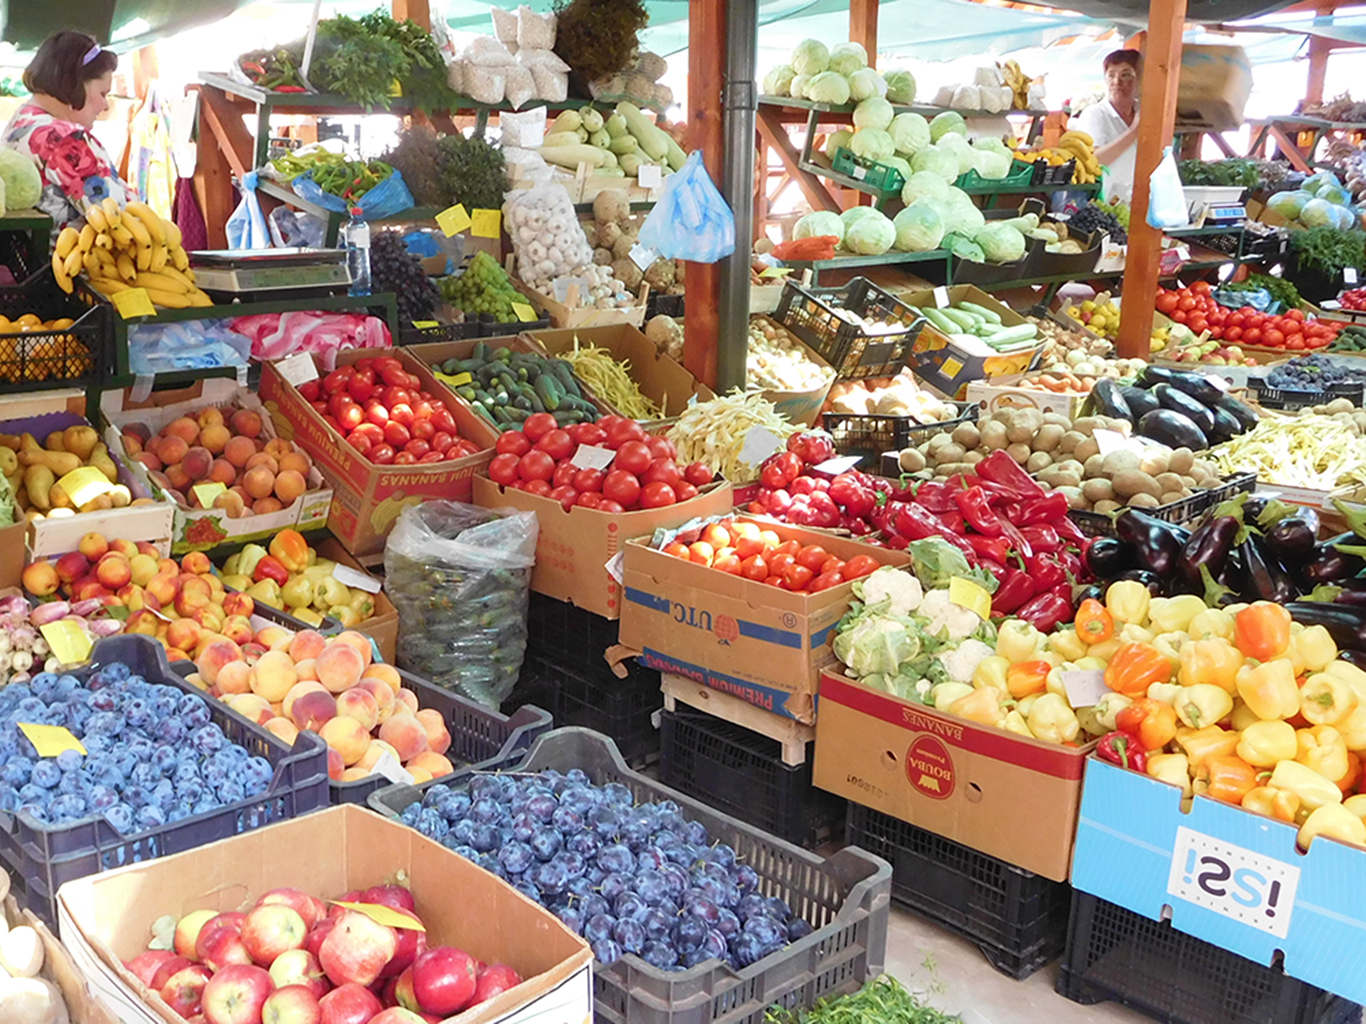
pixel 70 78
pixel 1113 122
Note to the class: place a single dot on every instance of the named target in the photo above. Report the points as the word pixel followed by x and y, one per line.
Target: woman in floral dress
pixel 70 79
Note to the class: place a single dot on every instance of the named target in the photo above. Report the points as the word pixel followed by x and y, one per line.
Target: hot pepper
pixel 1202 744
pixel 1203 704
pixel 1262 631
pixel 1322 749
pixel 1047 611
pixel 977 512
pixel 1269 689
pixel 1271 802
pixel 999 468
pixel 1173 769
pixel 1227 778
pixel 1326 700
pixel 1153 722
pixel 1135 667
pixel 1123 749
pixel 1214 661
pixel 1267 744
pixel 1051 508
pixel 1026 677
pixel 1093 622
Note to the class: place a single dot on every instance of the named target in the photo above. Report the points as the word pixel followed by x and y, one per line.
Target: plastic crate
pixel 580 695
pixel 871 436
pixel 844 897
pixel 810 314
pixel 1019 175
pixel 75 357
pixel 1097 524
pixel 1017 919
pixel 411 335
pixel 1284 398
pixel 1149 966
pixel 21 252
pixel 1044 173
pixel 46 856
pixel 876 175
pixel 663 305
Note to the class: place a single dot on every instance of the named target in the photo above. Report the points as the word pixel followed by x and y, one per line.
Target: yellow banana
pixel 95 218
pixel 176 275
pixel 74 259
pixel 158 258
pixel 127 270
pixel 198 298
pixel 181 260
pixel 161 283
pixel 91 264
pixel 66 241
pixel 142 257
pixel 122 237
pixel 138 230
pixel 87 239
pixel 103 241
pixel 171 300
pixel 59 272
pixel 173 236
pixel 1077 135
pixel 149 218
pixel 108 286
pixel 112 213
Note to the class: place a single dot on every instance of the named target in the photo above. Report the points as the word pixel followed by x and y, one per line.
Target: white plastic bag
pixel 504 25
pixel 484 84
pixel 518 85
pixel 246 227
pixel 1166 199
pixel 535 31
pixel 551 86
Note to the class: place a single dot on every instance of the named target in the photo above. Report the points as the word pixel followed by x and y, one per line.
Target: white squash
pixel 21 953
pixel 60 1013
pixel 26 1001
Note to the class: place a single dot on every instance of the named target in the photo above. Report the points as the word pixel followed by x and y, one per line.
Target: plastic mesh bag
pixel 691 221
pixel 459 577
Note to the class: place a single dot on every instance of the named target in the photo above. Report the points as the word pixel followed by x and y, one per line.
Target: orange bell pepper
pixel 981 705
pixel 1281 804
pixel 1262 630
pixel 1135 667
pixel 1026 677
pixel 1153 722
pixel 1348 782
pixel 1213 661
pixel 1093 622
pixel 1225 778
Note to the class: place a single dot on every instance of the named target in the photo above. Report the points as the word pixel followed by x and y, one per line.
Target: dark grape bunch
pixel 1312 373
pixel 629 878
pixel 394 269
pixel 1092 218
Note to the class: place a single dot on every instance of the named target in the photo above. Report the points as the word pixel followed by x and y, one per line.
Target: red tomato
pixel 747 545
pixel 676 549
pixel 1292 326
pixel 587 433
pixel 775 581
pixel 1252 336
pixel 754 567
pixel 417 447
pixel 350 418
pixel 797 577
pixel 620 430
pixel 779 562
pixel 538 424
pixel 717 536
pixel 1236 320
pixel 565 495
pixel 338 379
pixel 405 458
pixel 588 499
pixel 443 419
pixel 503 469
pixel 433 457
pixel 859 565
pixel 1216 332
pixel 698 474
pixel 701 552
pixel 1186 304
pixel 662 469
pixel 621 487
pixel 605 505
pixel 832 564
pixel 1197 324
pixel 1296 315
pixel 634 457
pixel 382 455
pixel 563 475
pixel 1273 337
pixel 771 540
pixel 1166 302
pixel 541 487
pixel 1179 316
pixel 1232 333
pixel 403 413
pixel 360 442
pixel 588 480
pixel 557 444
pixel 396 434
pixel 788 547
pixel 825 581
pixel 359 388
pixel 338 402
pixel 657 494
pixel 536 465
pixel 1200 288
pixel 685 490
pixel 311 390
pixel 661 447
pixel 424 429
pixel 727 563
pixel 813 556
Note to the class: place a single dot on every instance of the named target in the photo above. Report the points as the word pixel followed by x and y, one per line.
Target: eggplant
pixel 1225 426
pixel 1238 410
pixel 1209 546
pixel 1178 401
pixel 1353 592
pixel 1106 400
pixel 1138 400
pixel 1292 539
pixel 1094 591
pixel 1150 376
pixel 1345 624
pixel 1264 578
pixel 1197 385
pixel 1254 505
pixel 1107 557
pixel 1174 429
pixel 1352 657
pixel 1149 579
pixel 1157 543
pixel 1328 565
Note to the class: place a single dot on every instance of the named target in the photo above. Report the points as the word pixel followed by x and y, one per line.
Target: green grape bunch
pixel 483 287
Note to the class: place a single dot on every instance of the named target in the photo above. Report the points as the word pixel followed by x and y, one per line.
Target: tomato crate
pixel 1187 510
pixel 46 856
pixel 871 435
pixel 1149 966
pixel 74 356
pixel 1284 398
pixel 810 313
pixel 1017 919
pixel 876 175
pixel 740 772
pixel 844 897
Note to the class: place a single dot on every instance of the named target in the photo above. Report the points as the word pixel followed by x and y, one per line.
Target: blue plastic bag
pixel 389 197
pixel 246 227
pixel 691 221
pixel 191 345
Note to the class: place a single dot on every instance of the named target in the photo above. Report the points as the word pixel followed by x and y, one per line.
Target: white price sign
pixel 759 444
pixel 1249 887
pixel 840 465
pixel 1349 275
pixel 349 577
pixel 650 176
pixel 589 456
pixel 297 369
pixel 1084 687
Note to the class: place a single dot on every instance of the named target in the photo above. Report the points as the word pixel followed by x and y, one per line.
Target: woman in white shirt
pixel 1113 122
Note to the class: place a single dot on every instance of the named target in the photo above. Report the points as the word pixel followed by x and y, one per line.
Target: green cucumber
pixel 982 311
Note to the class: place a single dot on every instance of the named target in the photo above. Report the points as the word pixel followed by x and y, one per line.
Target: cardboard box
pixel 83 1006
pixel 1224 875
pixel 382 627
pixel 107 918
pixel 565 316
pixel 207 529
pixel 573 548
pixel 945 364
pixel 765 645
pixel 1214 87
pixel 992 397
pixel 366 498
pixel 800 407
pixel 1009 796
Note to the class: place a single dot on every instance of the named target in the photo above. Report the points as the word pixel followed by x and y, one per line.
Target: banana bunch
pixel 1081 146
pixel 132 247
pixel 1019 84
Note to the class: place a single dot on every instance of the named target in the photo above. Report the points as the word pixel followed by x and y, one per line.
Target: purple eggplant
pixel 1264 578
pixel 1326 564
pixel 1345 624
pixel 1157 543
pixel 1210 545
pixel 1290 531
pixel 1107 557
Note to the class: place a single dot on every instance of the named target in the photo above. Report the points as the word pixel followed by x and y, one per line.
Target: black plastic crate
pixel 578 694
pixel 1187 510
pixel 1053 174
pixel 1017 919
pixel 742 773
pixel 1149 966
pixel 657 304
pixel 47 856
pixel 1284 398
pixel 810 314
pixel 872 435
pixel 563 631
pixel 410 335
pixel 74 356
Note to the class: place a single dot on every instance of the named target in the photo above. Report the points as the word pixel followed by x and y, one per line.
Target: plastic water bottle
pixel 356 239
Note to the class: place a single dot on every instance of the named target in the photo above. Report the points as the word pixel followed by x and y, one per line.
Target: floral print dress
pixel 75 168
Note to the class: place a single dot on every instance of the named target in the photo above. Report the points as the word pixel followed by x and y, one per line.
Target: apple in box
pixel 357 949
pixel 237 994
pixel 349 1004
pixel 271 930
pixel 183 992
pixel 299 967
pixel 310 908
pixel 292 1004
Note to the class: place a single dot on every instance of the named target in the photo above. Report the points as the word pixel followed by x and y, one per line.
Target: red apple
pixel 443 980
pixel 349 1004
pixel 187 930
pixel 219 947
pixel 236 995
pixel 292 1004
pixel 168 968
pixel 493 981
pixel 335 911
pixel 184 990
pixel 310 908
pixel 298 967
pixel 271 930
pixel 398 1015
pixel 396 896
pixel 231 922
pixel 317 933
pixel 403 991
pixel 411 945
pixel 144 965
pixel 356 949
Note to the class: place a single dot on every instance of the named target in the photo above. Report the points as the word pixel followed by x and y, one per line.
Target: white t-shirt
pixel 1102 122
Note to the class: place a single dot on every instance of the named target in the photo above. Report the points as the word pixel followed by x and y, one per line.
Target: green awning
pixel 126 24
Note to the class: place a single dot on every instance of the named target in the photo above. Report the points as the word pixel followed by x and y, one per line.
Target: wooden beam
pixel 212 178
pixel 1319 49
pixel 863 27
pixel 773 133
pixel 415 10
pixel 706 80
pixel 226 129
pixel 1156 119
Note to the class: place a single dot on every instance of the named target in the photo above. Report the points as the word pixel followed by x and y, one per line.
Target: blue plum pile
pixel 629 878
pixel 153 754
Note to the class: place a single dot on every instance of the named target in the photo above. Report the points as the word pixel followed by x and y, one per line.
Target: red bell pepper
pixel 779 470
pixel 1124 749
pixel 1047 611
pixel 990 549
pixel 812 446
pixel 1018 541
pixel 270 568
pixel 977 512
pixel 996 569
pixel 935 496
pixel 852 494
pixel 1013 593
pixel 955 522
pixel 1006 473
pixel 1048 509
pixel 1070 532
pixel 1046 570
pixel 1041 537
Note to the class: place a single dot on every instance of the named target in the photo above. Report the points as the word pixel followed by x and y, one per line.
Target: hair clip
pixel 90 54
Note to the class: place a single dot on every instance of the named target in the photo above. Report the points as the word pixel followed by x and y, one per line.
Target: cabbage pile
pixel 1321 202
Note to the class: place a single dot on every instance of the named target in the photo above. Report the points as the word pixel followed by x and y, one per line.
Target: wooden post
pixel 706 79
pixel 1156 119
pixel 1319 49
pixel 863 27
pixel 416 10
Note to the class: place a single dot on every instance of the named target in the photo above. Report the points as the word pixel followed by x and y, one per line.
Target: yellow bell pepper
pixel 1090 663
pixel 991 671
pixel 1271 802
pixel 1267 744
pixel 1353 728
pixel 1170 644
pixel 1015 723
pixel 1332 821
pixel 945 694
pixel 1024 704
pixel 1173 769
pixel 1203 704
pixel 1103 652
pixel 1018 641
pixel 1242 717
pixel 1068 644
pixel 1132 634
pixel 1322 749
pixel 1053 682
pixel 1210 624
pixel 1326 700
pixel 1174 614
pixel 1167 693
pixel 1127 601
pixel 1213 661
pixel 1099 719
pixel 1311 650
pixel 1312 788
pixel 1349 673
pixel 1356 804
pixel 1269 689
pixel 1051 720
pixel 981 705
pixel 1202 744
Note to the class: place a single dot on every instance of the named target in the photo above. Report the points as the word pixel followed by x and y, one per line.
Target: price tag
pixel 840 465
pixel 642 256
pixel 133 302
pixel 1349 275
pixel 205 493
pixel 969 595
pixel 1182 253
pixel 486 223
pixel 759 444
pixel 84 484
pixel 50 740
pixel 524 312
pixel 941 297
pixel 1330 304
pixel 388 766
pixel 381 914
pixel 242 376
pixel 1084 686
pixel 589 456
pixel 1109 440
pixel 453 219
pixel 69 642
pixel 349 577
pixel 650 176
pixel 298 369
pixel 615 565
pixel 423 325
pixel 459 380
pixel 771 272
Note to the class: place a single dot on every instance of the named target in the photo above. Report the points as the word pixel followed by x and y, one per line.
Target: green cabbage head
pixel 900 86
pixel 872 144
pixel 846 58
pixel 924 184
pixel 778 81
pixel 1317 213
pixel 948 121
pixel 910 133
pixel 866 83
pixel 1001 243
pixel 23 185
pixel 961 215
pixel 936 161
pixel 828 87
pixel 919 227
pixel 874 112
pixel 871 235
pixel 815 225
pixel 837 140
pixel 810 57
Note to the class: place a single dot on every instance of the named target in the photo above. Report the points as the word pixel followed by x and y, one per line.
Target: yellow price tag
pixel 133 302
pixel 524 312
pixel 969 595
pixel 69 642
pixel 84 484
pixel 459 380
pixel 50 740
pixel 422 325
pixel 453 219
pixel 381 914
pixel 775 272
pixel 486 223
pixel 207 492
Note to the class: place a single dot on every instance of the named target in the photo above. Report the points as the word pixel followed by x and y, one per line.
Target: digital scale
pixel 1224 214
pixel 270 273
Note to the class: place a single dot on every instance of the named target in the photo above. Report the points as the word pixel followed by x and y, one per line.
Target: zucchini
pixel 1012 335
pixel 624 144
pixel 570 157
pixel 654 142
pixel 561 139
pixel 982 311
pixel 942 322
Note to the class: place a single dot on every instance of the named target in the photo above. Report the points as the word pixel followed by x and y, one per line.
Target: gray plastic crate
pixel 845 897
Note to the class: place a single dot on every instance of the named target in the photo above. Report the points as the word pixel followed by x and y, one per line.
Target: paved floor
pixel 957 978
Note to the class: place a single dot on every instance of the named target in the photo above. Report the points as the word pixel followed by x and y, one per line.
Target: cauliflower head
pixel 946 620
pixel 897 585
pixel 960 664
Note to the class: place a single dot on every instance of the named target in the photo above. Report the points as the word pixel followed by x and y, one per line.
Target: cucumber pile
pixel 506 387
pixel 968 319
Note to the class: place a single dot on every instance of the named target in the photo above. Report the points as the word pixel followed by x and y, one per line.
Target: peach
pixel 308 669
pixel 72 566
pixel 347 736
pixel 184 428
pixel 40 579
pixel 251 707
pixel 132 444
pixel 438 736
pixel 234 678
pixel 307 643
pixel 197 463
pixel 171 449
pixel 189 601
pixel 384 697
pixel 215 656
pixel 274 638
pixel 114 571
pixel 405 734
pixel 339 666
pixel 420 774
pixel 313 709
pixel 298 462
pixel 209 416
pixel 408 698
pixel 196 562
pixel 93 546
pixel 360 642
pixel 237 628
pixel 215 437
pixel 360 705
pixel 296 691
pixel 431 762
pixel 238 450
pixel 144 622
pixel 143 569
pixel 126 548
pixel 150 461
pixel 231 502
pixel 259 482
pixel 224 472
pixel 246 423
pixel 238 603
pixel 183 633
pixel 87 587
pixel 174 654
pixel 265 506
pixel 283 728
pixel 386 674
pixel 289 486
pixel 275 676
pixel 163 587
pixel 336 767
pixel 277 447
pixel 376 750
pixel 262 459
pixel 180 480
